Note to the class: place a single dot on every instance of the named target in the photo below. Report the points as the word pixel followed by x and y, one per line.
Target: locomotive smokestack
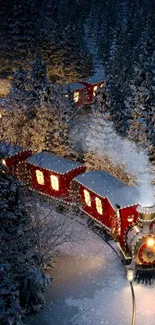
pixel 146 214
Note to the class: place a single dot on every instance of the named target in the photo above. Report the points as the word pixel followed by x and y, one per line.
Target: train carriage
pixel 84 91
pixel 92 84
pixel 78 91
pixel 11 155
pixel 109 201
pixel 50 174
pixel 90 189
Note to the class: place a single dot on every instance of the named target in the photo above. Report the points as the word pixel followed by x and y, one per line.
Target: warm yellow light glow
pixel 130 218
pixel 3 162
pixel 101 85
pixel 40 177
pixel 87 197
pixel 76 96
pixel 54 182
pixel 0 115
pixel 98 205
pixel 150 242
pixel 94 90
pixel 130 275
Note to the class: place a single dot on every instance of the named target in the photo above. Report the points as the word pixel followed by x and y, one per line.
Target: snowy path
pixel 89 288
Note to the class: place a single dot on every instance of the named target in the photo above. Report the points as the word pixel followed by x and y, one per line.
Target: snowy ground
pixel 89 288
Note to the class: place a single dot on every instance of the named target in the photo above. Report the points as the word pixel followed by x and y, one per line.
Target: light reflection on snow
pixel 114 307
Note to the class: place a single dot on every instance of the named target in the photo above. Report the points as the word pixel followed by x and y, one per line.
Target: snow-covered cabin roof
pixel 9 149
pixel 73 86
pixel 106 185
pixel 94 79
pixel 52 162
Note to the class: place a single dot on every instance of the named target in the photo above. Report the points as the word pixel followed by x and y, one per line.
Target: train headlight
pixel 150 242
pixel 130 275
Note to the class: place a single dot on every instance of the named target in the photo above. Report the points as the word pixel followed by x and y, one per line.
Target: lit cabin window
pixel 130 218
pixel 76 96
pixel 101 85
pixel 87 197
pixel 98 205
pixel 94 90
pixel 40 177
pixel 54 182
pixel 3 162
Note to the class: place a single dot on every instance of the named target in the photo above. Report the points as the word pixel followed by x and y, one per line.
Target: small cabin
pixel 11 155
pixel 79 92
pixel 102 196
pixel 92 84
pixel 50 174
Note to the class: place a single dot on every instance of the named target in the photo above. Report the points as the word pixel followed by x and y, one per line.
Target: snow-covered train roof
pixel 106 185
pixel 52 162
pixel 96 78
pixel 73 86
pixel 9 149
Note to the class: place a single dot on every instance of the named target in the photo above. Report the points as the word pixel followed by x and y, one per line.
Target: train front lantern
pixel 140 240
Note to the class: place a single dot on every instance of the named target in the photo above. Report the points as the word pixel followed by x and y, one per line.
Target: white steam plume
pixel 102 137
pixel 99 135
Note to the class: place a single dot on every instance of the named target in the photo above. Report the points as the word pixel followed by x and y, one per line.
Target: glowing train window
pixel 76 96
pixel 40 177
pixel 98 205
pixel 130 218
pixel 87 197
pixel 94 90
pixel 3 162
pixel 54 182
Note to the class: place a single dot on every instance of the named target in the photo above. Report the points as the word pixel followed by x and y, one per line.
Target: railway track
pixel 110 242
pixel 133 320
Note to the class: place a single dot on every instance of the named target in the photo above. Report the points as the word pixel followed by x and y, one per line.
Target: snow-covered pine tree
pixel 17 126
pixel 38 85
pixel 20 264
pixel 41 126
pixel 18 96
pixel 62 116
pixel 20 34
pixel 143 93
pixel 101 142
pixel 11 311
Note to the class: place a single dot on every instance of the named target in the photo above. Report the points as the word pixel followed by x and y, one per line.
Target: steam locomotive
pixel 111 205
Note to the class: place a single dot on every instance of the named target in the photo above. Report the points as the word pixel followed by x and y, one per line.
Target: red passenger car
pixel 79 92
pixel 92 84
pixel 109 201
pixel 85 90
pixel 50 174
pixel 11 154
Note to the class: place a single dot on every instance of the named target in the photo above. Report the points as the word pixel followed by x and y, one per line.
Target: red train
pixel 84 91
pixel 110 204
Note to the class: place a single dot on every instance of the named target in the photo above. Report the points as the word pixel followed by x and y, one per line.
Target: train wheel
pixel 90 223
pixel 103 233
